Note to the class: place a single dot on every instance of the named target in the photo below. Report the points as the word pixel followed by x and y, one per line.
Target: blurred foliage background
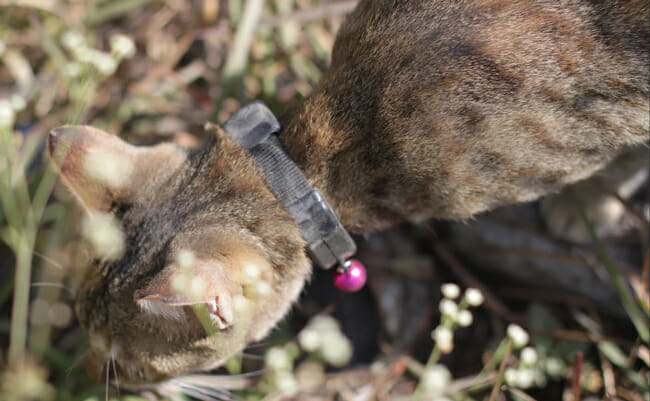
pixel 151 71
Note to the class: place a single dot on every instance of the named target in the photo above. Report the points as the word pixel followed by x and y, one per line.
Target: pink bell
pixel 351 276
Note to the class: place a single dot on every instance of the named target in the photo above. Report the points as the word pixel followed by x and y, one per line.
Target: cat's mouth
pixel 200 386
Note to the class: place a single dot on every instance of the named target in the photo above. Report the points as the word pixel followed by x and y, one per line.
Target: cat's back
pixel 482 103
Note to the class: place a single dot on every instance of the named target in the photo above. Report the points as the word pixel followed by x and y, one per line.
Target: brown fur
pixel 430 109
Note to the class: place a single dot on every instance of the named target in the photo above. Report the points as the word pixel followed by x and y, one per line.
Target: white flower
pixel 309 339
pixel 72 40
pixel 276 358
pixel 473 297
pixel 7 115
pixel 180 281
pixel 310 375
pixel 450 290
pixel 105 234
pixel 105 63
pixel 325 325
pixel 518 335
pixel 529 356
pixel 435 378
pixel 336 349
pixel 263 288
pixel 525 378
pixel 251 273
pixel 240 304
pixel 448 308
pixel 185 259
pixel 108 166
pixel 122 46
pixel 554 367
pixel 286 383
pixel 197 289
pixel 72 69
pixel 464 318
pixel 18 102
pixel 510 376
pixel 444 339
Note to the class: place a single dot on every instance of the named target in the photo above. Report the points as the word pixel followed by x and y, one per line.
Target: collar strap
pixel 255 128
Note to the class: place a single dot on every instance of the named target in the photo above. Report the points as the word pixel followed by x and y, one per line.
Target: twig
pixel 491 300
pixel 609 379
pixel 519 393
pixel 577 371
pixel 238 55
pixel 634 308
pixel 502 369
pixel 311 14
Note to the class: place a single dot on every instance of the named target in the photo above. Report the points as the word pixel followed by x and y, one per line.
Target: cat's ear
pixel 235 268
pixel 100 168
pixel 204 283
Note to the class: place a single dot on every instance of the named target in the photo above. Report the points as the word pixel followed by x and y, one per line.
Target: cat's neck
pixel 326 149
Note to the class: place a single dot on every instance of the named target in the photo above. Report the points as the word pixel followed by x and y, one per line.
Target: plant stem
pixel 502 369
pixel 638 317
pixel 18 333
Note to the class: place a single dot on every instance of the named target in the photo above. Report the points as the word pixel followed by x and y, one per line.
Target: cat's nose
pixel 59 141
pixel 61 138
pixel 53 138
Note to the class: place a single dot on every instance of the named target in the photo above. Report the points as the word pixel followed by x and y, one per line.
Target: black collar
pixel 255 128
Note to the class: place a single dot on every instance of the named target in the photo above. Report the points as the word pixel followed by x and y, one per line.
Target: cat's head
pixel 209 261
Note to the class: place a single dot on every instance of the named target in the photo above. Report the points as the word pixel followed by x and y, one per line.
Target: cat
pixel 430 109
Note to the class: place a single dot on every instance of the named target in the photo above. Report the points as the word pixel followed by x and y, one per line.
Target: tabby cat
pixel 430 109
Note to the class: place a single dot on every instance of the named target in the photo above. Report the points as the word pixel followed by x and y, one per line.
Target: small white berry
pixel 122 46
pixel 250 273
pixel 18 102
pixel 448 308
pixel 325 325
pixel 510 376
pixel 72 69
pixel 309 339
pixel 554 367
pixel 240 304
pixel 185 259
pixel 518 335
pixel 444 339
pixel 336 349
pixel 105 63
pixel 105 234
pixel 310 375
pixel 525 378
pixel 263 288
pixel 464 318
pixel 7 114
pixel 276 358
pixel 72 40
pixel 286 383
pixel 529 356
pixel 473 297
pixel 435 378
pixel 450 290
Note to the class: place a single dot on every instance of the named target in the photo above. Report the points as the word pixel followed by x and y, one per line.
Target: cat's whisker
pixel 75 363
pixel 108 372
pixel 197 392
pixel 203 384
pixel 117 380
pixel 48 284
pixel 49 260
pixel 252 356
pixel 260 344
